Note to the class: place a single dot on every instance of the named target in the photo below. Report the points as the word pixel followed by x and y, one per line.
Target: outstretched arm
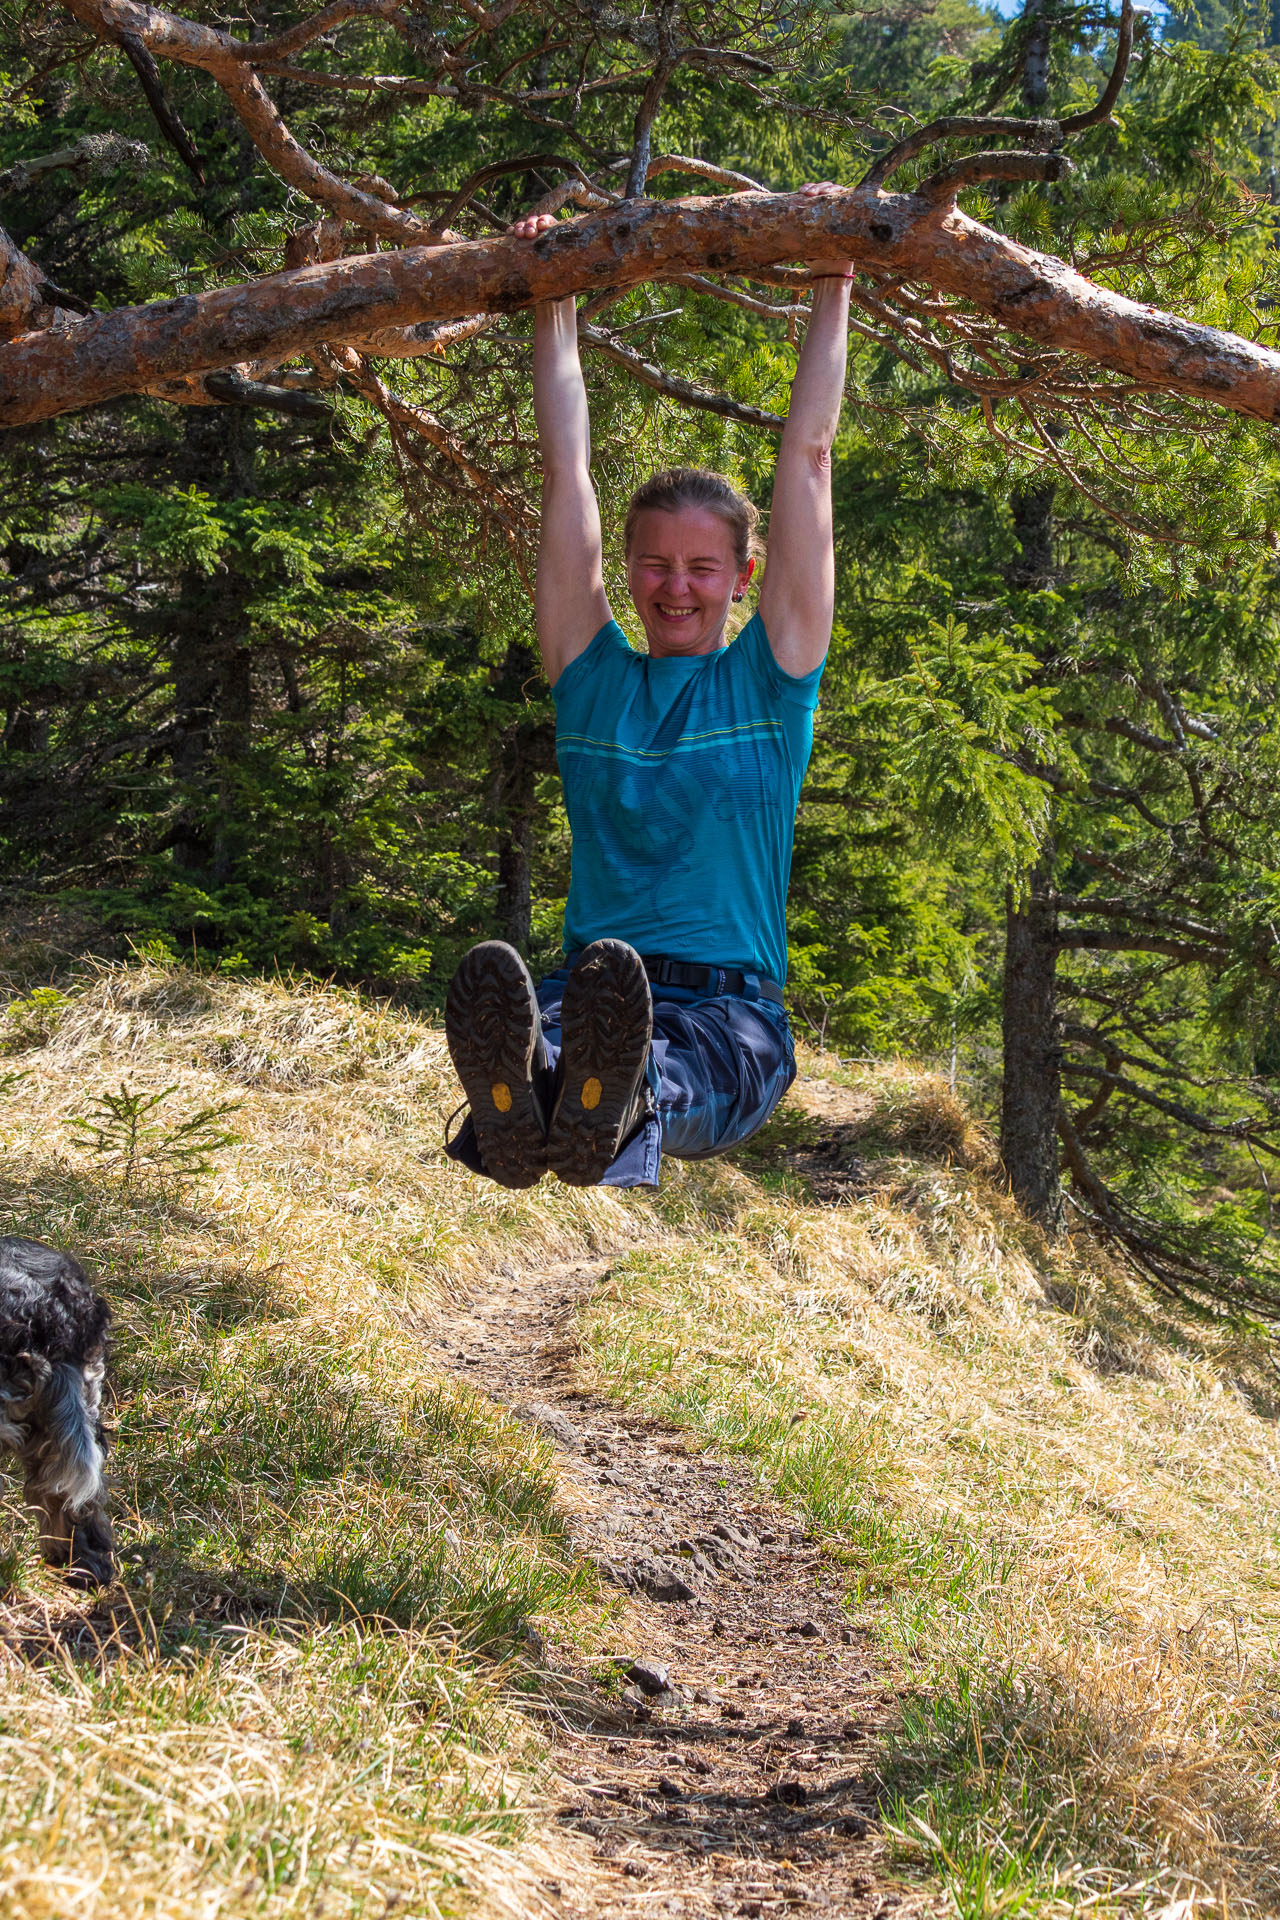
pixel 569 598
pixel 797 597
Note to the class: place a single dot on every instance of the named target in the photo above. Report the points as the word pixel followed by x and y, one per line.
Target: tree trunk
pixel 520 754
pixel 235 732
pixel 1032 1040
pixel 523 749
pixel 212 667
pixel 195 699
pixel 1032 1051
pixel 1031 510
pixel 1035 68
pixel 515 888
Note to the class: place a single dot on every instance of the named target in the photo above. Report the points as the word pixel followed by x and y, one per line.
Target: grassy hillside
pixel 1056 1499
pixel 331 1555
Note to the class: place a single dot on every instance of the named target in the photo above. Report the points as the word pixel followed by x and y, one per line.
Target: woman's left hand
pixel 822 190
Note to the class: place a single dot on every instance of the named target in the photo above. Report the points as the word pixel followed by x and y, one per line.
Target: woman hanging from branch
pixel 665 1027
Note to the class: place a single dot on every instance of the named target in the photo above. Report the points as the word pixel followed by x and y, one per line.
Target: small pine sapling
pixel 123 1128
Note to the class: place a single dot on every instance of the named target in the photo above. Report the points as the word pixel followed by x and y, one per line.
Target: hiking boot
pixel 606 1022
pixel 493 1024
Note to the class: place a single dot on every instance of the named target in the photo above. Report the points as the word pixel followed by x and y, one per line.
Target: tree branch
pixel 672 385
pixel 1134 910
pixel 1126 729
pixel 21 289
pixel 651 99
pixel 960 126
pixel 406 417
pixel 977 167
pixel 97 151
pixel 1033 133
pixel 1089 940
pixel 147 31
pixel 285 45
pixel 429 337
pixel 703 170
pixel 163 112
pixel 496 169
pixel 1217 1129
pixel 1173 1269
pixel 232 389
pixel 1077 122
pixel 1033 294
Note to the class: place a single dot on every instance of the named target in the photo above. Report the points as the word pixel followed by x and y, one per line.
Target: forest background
pixel 269 692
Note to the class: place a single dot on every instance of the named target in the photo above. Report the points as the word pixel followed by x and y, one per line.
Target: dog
pixel 53 1355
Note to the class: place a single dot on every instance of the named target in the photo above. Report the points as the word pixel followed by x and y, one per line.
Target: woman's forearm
pixel 798 594
pixel 818 387
pixel 569 597
pixel 559 394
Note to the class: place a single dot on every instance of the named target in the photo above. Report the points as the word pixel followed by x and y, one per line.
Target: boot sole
pixel 491 1022
pixel 607 1026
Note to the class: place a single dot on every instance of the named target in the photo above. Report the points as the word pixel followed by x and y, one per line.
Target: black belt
pixel 665 972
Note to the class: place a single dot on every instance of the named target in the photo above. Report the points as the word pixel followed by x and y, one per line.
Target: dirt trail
pixel 744 1786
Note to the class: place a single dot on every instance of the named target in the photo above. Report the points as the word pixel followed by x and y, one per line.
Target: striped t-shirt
pixel 681 781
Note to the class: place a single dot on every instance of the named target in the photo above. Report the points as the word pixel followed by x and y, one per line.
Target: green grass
pixel 894 1367
pixel 326 1569
pixel 1054 1502
pixel 302 1697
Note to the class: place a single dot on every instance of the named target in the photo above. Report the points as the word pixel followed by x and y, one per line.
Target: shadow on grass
pixel 837 1151
pixel 816 1161
pixel 267 1466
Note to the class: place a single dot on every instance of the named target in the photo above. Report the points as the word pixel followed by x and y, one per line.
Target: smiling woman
pixel 682 766
pixel 689 538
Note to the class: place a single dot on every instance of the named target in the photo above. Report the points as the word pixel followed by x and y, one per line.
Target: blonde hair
pixel 697 487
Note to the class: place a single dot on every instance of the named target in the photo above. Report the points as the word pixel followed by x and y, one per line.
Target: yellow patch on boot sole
pixel 591 1091
pixel 500 1094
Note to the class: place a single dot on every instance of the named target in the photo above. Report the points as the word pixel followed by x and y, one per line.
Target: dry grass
pixel 1068 1494
pixel 1059 1499
pixel 301 1702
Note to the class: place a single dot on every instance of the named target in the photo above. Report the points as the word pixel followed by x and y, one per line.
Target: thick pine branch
pixel 1033 133
pixel 53 371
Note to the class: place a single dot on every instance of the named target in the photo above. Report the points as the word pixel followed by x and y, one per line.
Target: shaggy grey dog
pixel 53 1353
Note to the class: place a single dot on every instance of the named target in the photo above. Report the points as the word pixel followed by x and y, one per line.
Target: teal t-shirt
pixel 681 781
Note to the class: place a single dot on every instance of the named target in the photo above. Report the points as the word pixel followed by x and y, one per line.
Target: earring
pixel 736 598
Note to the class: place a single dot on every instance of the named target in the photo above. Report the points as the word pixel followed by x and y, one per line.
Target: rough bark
pixel 194 666
pixel 1032 515
pixel 1032 1051
pixel 61 368
pixel 515 881
pixel 22 301
pixel 1035 69
pixel 235 739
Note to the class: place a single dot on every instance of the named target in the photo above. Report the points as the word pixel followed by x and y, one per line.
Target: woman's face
pixel 683 575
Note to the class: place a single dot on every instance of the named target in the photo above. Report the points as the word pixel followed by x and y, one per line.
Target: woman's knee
pixel 725 1085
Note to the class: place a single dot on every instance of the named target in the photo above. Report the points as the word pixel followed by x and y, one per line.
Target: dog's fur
pixel 53 1354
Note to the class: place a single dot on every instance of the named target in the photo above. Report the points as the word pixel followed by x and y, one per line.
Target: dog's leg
pixel 77 1540
pixel 63 1461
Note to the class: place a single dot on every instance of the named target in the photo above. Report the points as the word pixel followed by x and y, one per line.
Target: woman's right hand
pixel 531 226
